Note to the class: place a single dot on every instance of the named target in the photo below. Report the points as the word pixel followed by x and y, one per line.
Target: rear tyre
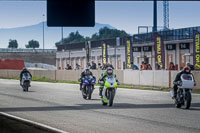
pixel 188 99
pixel 178 105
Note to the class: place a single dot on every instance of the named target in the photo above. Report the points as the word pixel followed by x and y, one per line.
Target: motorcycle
pixel 185 86
pixel 109 90
pixel 25 82
pixel 88 86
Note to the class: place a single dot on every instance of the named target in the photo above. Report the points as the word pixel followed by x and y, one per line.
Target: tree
pixel 13 44
pixel 74 37
pixel 33 44
pixel 106 33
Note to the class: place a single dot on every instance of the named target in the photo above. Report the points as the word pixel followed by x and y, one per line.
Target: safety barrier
pixel 160 78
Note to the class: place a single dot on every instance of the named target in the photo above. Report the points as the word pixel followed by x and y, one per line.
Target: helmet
pixel 24 68
pixel 87 71
pixel 109 71
pixel 187 69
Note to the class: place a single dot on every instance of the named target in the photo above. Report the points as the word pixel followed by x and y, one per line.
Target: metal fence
pixel 168 35
pixel 28 50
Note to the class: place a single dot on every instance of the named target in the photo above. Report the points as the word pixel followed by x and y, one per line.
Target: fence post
pixel 170 79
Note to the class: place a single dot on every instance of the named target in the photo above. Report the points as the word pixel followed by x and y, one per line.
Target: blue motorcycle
pixel 88 86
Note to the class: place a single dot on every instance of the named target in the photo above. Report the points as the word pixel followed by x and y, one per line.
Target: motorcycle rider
pixel 24 70
pixel 108 72
pixel 85 73
pixel 186 70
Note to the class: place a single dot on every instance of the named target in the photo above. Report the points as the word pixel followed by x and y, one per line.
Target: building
pixel 178 45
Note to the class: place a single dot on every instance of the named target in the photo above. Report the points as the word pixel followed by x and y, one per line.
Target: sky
pixel 121 15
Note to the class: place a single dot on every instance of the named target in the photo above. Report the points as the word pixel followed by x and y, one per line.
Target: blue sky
pixel 122 15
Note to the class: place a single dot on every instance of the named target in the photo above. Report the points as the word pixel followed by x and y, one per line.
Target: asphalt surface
pixel 134 111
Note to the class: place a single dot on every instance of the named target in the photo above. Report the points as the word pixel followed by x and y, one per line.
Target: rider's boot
pixel 100 91
pixel 80 86
pixel 20 83
pixel 175 94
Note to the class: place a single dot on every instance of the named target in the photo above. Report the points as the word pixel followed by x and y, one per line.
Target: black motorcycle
pixel 185 86
pixel 25 82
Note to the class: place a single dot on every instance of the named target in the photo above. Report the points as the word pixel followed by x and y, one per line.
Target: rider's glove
pixel 100 82
pixel 175 83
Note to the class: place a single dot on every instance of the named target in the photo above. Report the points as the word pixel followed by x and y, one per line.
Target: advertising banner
pixel 87 49
pixel 196 51
pixel 104 53
pixel 128 53
pixel 159 51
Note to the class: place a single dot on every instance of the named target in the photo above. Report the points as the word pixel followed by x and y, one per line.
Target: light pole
pixel 62 34
pixel 115 50
pixel 43 32
pixel 155 16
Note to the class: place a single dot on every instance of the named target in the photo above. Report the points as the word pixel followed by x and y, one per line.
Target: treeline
pixel 104 33
pixel 31 44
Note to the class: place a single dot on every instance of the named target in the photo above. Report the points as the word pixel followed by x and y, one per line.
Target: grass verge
pixel 44 79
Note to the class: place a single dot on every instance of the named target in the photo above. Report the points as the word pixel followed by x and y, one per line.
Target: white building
pixel 178 45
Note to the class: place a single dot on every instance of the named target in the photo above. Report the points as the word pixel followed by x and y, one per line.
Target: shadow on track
pixel 96 106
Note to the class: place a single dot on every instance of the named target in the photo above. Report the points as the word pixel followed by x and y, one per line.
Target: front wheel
pixel 25 86
pixel 111 97
pixel 188 99
pixel 89 93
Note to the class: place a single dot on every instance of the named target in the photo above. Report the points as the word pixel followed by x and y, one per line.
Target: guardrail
pixel 158 78
pixel 28 50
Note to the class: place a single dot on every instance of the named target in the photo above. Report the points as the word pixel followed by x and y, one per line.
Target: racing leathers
pixel 102 81
pixel 21 74
pixel 87 72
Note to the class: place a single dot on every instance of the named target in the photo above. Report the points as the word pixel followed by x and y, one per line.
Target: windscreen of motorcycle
pixel 187 76
pixel 26 76
pixel 111 80
pixel 89 77
pixel 187 81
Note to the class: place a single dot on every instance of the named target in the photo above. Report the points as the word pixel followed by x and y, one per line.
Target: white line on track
pixel 32 123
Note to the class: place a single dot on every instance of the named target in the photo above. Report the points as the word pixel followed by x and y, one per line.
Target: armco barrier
pixel 68 75
pixel 13 73
pixel 158 78
pixel 161 78
pixel 131 77
pixel 197 78
pixel 147 77
pixel 3 73
pixel 44 73
pixel 9 73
